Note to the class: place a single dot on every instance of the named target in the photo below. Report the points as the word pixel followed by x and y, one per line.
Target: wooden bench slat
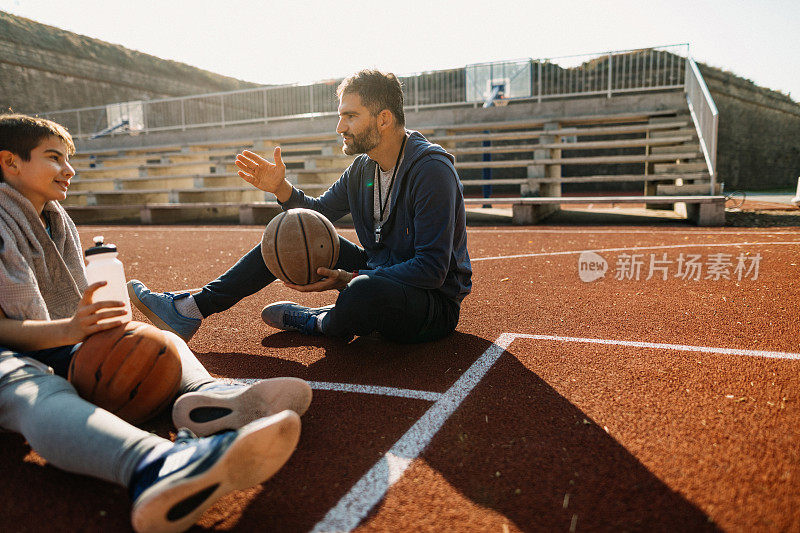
pixel 574 119
pixel 578 132
pixel 588 179
pixel 204 145
pixel 583 145
pixel 597 200
pixel 606 159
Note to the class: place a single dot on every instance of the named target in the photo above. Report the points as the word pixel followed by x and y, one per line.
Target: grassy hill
pixel 87 71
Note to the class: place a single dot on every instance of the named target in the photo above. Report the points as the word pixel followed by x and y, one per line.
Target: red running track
pixel 623 403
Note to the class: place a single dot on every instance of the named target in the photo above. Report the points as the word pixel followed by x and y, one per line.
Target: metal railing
pixel 650 69
pixel 705 117
pixel 607 73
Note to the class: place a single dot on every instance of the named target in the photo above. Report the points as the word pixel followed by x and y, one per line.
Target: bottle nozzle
pixel 99 247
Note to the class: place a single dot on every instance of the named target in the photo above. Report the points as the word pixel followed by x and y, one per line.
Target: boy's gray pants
pixel 69 432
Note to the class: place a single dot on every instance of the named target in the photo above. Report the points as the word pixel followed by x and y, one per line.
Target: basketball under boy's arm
pixel 28 335
pixel 269 177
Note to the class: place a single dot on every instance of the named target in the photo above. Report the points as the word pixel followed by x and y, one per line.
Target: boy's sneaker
pixel 223 406
pixel 174 485
pixel 293 317
pixel 159 308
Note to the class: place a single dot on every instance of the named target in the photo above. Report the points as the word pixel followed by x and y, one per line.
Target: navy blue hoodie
pixel 425 238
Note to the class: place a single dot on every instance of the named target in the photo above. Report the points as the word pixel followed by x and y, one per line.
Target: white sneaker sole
pixel 259 451
pixel 261 399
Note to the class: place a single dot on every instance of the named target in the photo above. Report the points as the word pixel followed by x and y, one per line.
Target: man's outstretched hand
pixel 333 280
pixel 269 177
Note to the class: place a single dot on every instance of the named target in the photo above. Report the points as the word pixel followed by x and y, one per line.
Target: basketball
pixel 133 371
pixel 296 243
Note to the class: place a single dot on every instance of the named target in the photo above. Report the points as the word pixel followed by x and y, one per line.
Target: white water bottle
pixel 102 265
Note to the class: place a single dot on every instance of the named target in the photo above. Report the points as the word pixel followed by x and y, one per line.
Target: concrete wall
pixel 759 133
pixel 43 68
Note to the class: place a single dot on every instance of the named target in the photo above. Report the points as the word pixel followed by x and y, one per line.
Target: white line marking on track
pixel 662 346
pixel 532 230
pixel 367 389
pixel 372 389
pixel 371 488
pixel 635 248
pixel 195 229
pixel 660 231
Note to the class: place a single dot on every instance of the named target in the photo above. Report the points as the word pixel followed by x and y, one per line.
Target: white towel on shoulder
pixel 41 278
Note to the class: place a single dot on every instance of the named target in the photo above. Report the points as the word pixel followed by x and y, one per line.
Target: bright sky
pixel 297 41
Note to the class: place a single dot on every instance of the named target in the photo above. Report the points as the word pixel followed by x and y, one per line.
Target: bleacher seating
pixel 529 161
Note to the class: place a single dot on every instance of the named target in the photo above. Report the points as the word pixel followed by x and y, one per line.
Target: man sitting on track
pixel 408 280
pixel 46 311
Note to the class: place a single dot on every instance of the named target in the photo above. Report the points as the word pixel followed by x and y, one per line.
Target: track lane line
pixel 663 346
pixel 634 248
pixel 472 229
pixel 372 389
pixel 687 231
pixel 363 389
pixel 354 506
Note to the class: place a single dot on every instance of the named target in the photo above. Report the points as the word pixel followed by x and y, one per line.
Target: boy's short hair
pixel 20 134
pixel 378 91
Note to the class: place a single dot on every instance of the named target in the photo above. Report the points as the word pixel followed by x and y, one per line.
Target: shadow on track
pixel 544 447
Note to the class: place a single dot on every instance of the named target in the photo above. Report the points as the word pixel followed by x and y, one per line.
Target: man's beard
pixel 364 142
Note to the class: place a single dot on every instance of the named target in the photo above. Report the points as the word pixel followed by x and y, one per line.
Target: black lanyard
pixel 381 204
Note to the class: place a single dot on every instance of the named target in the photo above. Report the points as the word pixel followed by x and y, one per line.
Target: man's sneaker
pixel 293 317
pixel 222 406
pixel 159 308
pixel 173 485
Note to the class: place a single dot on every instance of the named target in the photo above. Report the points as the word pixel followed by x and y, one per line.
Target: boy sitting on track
pixel 46 310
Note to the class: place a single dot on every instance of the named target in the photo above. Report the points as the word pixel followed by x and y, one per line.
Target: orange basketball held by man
pixel 296 243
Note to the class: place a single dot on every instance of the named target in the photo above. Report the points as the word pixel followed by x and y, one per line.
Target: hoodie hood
pixel 416 149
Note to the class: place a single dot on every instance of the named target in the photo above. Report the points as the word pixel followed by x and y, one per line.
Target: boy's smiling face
pixel 45 177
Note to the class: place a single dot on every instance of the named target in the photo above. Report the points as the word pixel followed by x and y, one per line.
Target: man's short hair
pixel 378 91
pixel 20 134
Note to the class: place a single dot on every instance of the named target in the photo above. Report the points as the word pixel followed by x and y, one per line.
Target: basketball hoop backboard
pixel 505 80
pixel 132 112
